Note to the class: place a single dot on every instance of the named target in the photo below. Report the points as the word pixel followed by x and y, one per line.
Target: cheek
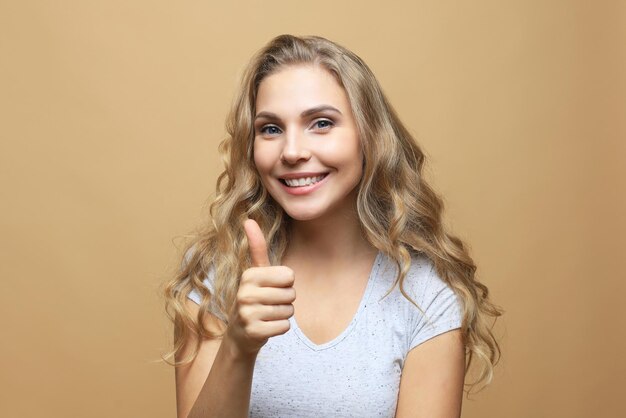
pixel 347 154
pixel 357 160
pixel 262 159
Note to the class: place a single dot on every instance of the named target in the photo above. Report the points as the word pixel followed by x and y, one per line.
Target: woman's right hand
pixel 264 301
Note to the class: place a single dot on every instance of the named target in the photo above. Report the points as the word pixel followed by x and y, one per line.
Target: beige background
pixel 111 112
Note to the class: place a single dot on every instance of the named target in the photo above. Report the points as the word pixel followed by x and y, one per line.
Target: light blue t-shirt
pixel 358 373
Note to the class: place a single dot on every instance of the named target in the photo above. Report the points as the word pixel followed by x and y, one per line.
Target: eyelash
pixel 330 122
pixel 264 129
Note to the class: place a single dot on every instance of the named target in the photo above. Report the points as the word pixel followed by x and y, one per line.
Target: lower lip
pixel 302 190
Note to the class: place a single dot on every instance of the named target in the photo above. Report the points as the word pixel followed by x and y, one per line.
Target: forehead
pixel 296 88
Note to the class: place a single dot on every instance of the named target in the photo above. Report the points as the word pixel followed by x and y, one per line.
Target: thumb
pixel 257 244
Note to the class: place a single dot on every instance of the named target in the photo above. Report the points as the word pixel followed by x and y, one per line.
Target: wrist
pixel 235 353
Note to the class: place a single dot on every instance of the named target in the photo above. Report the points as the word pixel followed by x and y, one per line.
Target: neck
pixel 335 238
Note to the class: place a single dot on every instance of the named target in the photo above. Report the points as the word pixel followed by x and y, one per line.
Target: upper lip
pixel 301 175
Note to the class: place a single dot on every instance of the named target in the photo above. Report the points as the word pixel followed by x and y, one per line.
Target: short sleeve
pixel 208 283
pixel 442 307
pixel 195 295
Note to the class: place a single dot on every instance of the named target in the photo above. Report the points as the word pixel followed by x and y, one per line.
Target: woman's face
pixel 306 145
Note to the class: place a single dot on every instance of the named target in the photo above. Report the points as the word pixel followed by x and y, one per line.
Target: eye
pixel 270 130
pixel 324 124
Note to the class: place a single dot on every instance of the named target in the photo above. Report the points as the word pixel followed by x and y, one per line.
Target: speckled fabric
pixel 358 373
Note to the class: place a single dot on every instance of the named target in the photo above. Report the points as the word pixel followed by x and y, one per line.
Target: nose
pixel 295 148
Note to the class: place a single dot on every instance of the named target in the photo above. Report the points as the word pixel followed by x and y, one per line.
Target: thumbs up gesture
pixel 264 300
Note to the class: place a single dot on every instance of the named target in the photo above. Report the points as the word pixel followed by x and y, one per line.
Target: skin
pixel 325 141
pixel 325 241
pixel 327 260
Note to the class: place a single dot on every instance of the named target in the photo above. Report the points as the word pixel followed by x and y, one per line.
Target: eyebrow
pixel 308 112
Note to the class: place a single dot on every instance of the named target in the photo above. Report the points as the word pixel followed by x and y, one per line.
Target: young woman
pixel 325 283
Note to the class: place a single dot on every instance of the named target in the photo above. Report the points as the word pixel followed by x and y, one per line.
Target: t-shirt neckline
pixel 368 289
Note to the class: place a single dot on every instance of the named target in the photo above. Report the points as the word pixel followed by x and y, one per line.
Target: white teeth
pixel 305 181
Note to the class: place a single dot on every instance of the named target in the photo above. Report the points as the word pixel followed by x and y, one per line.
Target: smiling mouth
pixel 304 181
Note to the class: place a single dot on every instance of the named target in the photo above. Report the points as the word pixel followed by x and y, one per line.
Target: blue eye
pixel 323 123
pixel 270 130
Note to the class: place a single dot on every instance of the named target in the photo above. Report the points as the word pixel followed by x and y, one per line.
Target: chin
pixel 302 215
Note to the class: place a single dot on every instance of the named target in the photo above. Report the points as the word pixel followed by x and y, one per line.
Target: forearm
pixel 226 391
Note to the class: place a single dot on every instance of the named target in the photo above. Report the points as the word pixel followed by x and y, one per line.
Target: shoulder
pixel 422 282
pixel 440 307
pixel 209 273
pixel 426 281
pixel 198 290
pixel 424 299
pixel 208 280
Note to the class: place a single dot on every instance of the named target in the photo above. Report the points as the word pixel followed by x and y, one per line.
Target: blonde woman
pixel 325 283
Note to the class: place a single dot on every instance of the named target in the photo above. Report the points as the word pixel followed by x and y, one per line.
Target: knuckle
pixel 244 297
pixel 250 330
pixel 286 272
pixel 246 276
pixel 290 280
pixel 284 326
pixel 255 333
pixel 240 296
pixel 245 313
pixel 250 276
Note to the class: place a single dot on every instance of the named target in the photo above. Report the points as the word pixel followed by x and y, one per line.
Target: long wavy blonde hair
pixel 399 212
